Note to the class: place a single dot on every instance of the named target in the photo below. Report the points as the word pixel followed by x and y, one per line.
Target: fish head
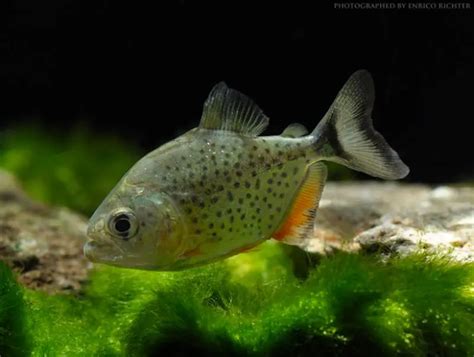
pixel 135 229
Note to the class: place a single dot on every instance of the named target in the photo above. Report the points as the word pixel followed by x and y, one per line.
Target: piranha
pixel 221 189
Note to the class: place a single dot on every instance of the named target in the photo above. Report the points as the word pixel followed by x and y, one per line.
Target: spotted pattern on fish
pixel 221 189
pixel 233 189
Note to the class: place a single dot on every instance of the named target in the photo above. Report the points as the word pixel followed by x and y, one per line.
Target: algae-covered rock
pixel 43 244
pixel 390 218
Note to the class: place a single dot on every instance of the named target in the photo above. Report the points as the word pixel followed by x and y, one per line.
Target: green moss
pixel 253 304
pixel 76 169
pixel 13 336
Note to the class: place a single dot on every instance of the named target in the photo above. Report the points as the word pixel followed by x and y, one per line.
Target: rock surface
pixel 393 218
pixel 44 245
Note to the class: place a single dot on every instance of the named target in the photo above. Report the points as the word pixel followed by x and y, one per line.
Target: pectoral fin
pixel 297 228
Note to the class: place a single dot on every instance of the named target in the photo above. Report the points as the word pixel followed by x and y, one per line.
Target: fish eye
pixel 123 224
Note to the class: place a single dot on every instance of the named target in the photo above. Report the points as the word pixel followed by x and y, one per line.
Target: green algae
pixel 75 169
pixel 254 305
pixel 13 333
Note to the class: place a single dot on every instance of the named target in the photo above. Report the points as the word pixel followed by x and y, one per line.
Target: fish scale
pixel 244 194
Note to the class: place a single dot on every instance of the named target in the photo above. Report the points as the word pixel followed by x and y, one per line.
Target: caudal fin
pixel 346 134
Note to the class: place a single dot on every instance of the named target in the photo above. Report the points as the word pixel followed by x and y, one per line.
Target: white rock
pixel 396 218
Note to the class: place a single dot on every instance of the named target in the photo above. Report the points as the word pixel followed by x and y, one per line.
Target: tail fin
pixel 346 135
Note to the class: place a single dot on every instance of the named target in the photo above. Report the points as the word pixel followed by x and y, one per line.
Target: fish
pixel 221 189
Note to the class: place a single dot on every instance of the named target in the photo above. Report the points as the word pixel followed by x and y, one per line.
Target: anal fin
pixel 297 228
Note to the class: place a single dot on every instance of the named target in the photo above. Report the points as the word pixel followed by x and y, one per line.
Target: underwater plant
pixel 251 305
pixel 54 167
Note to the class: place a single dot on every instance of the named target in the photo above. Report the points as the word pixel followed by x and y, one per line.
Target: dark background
pixel 143 71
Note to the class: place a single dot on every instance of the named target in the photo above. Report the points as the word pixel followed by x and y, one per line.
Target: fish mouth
pixel 99 252
pixel 104 253
pixel 98 248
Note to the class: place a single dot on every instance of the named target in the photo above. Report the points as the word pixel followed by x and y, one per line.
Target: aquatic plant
pixel 13 334
pixel 75 169
pixel 253 304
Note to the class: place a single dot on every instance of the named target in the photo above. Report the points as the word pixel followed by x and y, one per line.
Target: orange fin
pixel 297 228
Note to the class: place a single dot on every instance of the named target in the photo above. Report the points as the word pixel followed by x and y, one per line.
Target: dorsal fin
pixel 297 228
pixel 229 110
pixel 294 130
